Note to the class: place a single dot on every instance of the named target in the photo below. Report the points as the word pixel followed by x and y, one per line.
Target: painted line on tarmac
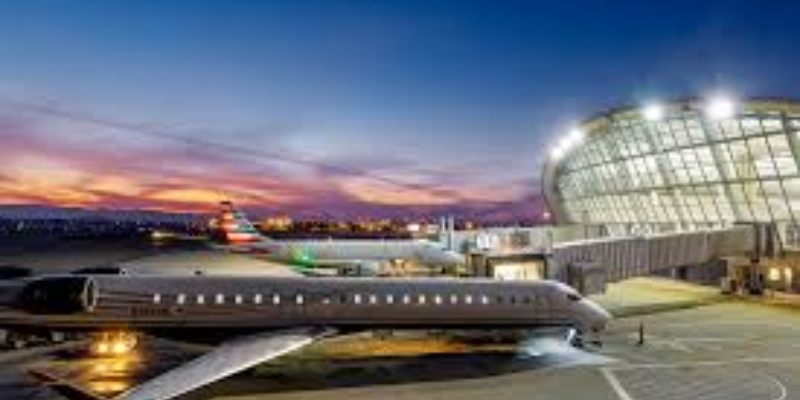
pixel 781 387
pixel 708 363
pixel 615 384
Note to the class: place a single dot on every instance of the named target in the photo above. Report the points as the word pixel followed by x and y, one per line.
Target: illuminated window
pixel 468 299
pixel 437 299
pixel 421 299
pixel 453 299
pixel 201 299
pixel 484 299
pixel 299 299
pixel 326 300
pixel 257 299
pixel 157 298
pixel 406 299
pixel 238 299
pixel 219 298
pixel 181 299
pixel 276 299
pixel 389 299
pixel 357 298
pixel 373 299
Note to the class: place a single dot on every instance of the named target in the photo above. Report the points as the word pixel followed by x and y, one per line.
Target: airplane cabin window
pixel 406 299
pixel 453 299
pixel 421 299
pixel 157 298
pixel 299 299
pixel 357 299
pixel 373 299
pixel 257 299
pixel 219 298
pixel 468 299
pixel 484 299
pixel 389 299
pixel 201 299
pixel 499 300
pixel 326 300
pixel 237 299
pixel 513 300
pixel 181 299
pixel 276 299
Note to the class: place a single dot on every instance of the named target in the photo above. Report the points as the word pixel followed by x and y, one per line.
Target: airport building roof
pixel 681 165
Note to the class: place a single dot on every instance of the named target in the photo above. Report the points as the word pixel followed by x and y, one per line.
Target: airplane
pixel 258 319
pixel 310 257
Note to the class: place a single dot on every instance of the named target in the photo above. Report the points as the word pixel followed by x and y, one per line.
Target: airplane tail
pixel 232 227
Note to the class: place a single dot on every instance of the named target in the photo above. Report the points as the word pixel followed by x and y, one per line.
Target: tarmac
pixel 697 345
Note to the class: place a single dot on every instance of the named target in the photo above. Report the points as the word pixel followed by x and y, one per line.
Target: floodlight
pixel 653 112
pixel 557 152
pixel 720 108
pixel 575 136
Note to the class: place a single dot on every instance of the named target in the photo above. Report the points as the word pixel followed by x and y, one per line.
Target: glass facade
pixel 683 170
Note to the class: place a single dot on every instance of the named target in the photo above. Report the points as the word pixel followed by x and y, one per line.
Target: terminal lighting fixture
pixel 720 107
pixel 557 152
pixel 653 112
pixel 573 138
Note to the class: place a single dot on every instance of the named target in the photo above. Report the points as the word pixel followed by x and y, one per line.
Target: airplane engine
pixel 59 295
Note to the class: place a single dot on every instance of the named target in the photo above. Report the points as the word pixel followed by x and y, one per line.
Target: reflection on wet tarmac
pixel 358 360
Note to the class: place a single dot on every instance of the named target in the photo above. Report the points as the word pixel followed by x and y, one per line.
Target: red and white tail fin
pixel 234 227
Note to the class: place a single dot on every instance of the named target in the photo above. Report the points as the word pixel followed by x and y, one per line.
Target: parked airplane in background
pixel 258 319
pixel 367 257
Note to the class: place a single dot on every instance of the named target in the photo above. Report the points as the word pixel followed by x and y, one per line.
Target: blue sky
pixel 456 95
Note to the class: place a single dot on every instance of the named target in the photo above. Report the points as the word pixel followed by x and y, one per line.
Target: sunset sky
pixel 347 108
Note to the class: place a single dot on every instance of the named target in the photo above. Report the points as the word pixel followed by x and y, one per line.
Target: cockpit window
pixel 573 297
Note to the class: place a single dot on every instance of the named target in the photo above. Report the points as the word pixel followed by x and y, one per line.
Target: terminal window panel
pixel 749 169
pixel 695 131
pixel 782 155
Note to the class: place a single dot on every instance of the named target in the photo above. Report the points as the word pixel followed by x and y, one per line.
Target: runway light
pixel 720 107
pixel 102 348
pixel 119 348
pixel 653 112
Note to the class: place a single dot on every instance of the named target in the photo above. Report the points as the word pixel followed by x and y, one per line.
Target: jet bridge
pixel 589 264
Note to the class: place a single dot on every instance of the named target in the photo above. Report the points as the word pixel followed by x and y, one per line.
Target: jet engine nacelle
pixel 59 295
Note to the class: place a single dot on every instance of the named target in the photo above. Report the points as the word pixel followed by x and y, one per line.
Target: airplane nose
pixel 600 316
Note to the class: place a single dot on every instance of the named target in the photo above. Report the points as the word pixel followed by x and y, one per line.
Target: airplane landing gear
pixel 575 338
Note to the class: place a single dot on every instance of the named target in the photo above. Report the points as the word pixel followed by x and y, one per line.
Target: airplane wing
pixel 224 361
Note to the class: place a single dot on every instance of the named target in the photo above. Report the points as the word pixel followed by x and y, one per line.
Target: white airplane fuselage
pixel 341 252
pixel 258 319
pixel 262 303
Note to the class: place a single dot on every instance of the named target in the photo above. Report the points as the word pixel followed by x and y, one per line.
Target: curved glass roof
pixel 683 166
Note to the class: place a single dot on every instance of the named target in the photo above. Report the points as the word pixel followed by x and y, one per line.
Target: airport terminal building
pixel 680 166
